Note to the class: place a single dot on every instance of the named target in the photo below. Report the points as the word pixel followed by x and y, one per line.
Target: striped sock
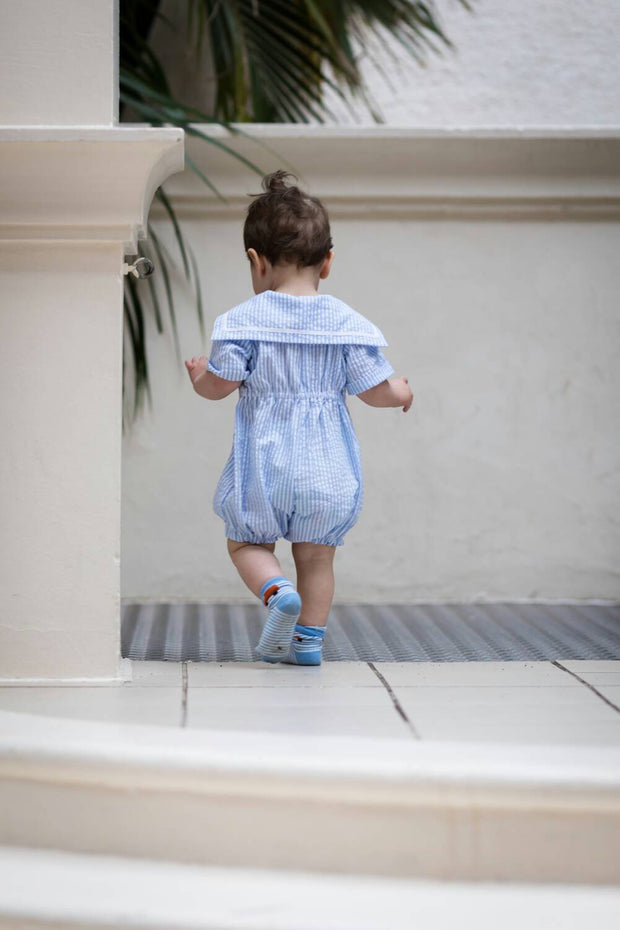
pixel 307 645
pixel 284 606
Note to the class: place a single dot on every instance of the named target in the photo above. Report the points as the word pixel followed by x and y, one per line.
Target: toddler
pixel 294 471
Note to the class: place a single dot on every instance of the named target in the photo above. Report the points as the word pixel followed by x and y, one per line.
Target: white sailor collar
pixel 273 316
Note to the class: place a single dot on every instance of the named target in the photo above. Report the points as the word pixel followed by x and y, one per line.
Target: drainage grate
pixel 382 632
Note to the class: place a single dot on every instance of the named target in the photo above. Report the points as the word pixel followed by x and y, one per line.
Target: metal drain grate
pixel 382 632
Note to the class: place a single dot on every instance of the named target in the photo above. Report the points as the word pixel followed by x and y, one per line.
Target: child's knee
pixel 304 552
pixel 234 545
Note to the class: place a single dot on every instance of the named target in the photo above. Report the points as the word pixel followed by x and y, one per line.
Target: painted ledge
pixel 77 183
pixel 87 892
pixel 433 810
pixel 396 171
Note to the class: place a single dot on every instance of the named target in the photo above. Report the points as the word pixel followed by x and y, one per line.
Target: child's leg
pixel 315 583
pixel 262 573
pixel 256 563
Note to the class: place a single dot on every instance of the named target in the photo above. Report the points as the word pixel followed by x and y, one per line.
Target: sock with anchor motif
pixel 306 646
pixel 284 606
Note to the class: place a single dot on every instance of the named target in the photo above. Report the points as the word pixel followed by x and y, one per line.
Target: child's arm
pixel 394 392
pixel 206 383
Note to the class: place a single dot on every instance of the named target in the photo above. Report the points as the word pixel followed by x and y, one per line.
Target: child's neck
pixel 298 284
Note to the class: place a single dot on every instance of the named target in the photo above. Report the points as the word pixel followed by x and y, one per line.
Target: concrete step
pixel 393 808
pixel 51 889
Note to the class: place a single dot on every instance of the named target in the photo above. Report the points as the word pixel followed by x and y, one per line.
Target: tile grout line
pixel 586 683
pixel 184 682
pixel 397 705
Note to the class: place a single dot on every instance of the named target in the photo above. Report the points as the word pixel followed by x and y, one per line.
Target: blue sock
pixel 307 645
pixel 284 606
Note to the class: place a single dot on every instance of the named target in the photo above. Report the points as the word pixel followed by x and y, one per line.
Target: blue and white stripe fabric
pixel 306 647
pixel 294 471
pixel 276 317
pixel 284 606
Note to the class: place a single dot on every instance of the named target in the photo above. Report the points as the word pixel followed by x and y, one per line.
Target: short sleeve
pixel 366 367
pixel 230 359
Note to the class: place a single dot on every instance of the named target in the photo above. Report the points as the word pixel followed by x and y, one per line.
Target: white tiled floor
pixel 258 674
pixel 160 706
pixel 588 669
pixel 116 891
pixel 311 720
pixel 611 692
pixel 491 722
pixel 482 674
pixel 287 698
pixel 417 697
pixel 156 674
pixel 604 676
pixel 503 702
pixel 339 698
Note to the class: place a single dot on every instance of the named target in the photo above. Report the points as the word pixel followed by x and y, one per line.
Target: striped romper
pixel 294 471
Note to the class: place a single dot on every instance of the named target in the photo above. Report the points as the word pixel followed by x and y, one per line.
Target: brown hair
pixel 286 225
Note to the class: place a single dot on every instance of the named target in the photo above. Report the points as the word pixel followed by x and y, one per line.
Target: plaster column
pixel 75 191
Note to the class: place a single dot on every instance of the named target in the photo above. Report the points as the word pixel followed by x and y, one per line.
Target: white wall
pixel 62 242
pixel 75 192
pixel 60 459
pixel 496 288
pixel 495 283
pixel 550 63
pixel 58 63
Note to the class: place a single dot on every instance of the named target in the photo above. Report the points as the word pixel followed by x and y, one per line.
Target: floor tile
pixel 97 890
pixel 515 674
pixel 263 675
pixel 611 692
pixel 546 696
pixel 374 722
pixel 284 697
pixel 600 734
pixel 597 673
pixel 510 724
pixel 156 674
pixel 159 706
pixel 599 666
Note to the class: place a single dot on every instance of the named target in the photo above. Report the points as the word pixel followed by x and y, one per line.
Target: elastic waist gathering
pixel 295 395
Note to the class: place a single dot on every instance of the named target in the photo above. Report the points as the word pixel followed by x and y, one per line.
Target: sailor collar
pixel 274 316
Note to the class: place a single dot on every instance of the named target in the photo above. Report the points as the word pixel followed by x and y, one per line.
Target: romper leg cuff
pixel 238 536
pixel 326 541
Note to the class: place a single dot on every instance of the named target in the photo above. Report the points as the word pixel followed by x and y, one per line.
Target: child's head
pixel 286 228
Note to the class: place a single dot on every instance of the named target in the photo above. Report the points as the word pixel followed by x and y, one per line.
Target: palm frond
pixel 272 61
pixel 175 224
pixel 135 331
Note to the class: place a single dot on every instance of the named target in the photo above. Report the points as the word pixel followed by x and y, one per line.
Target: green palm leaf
pixel 269 58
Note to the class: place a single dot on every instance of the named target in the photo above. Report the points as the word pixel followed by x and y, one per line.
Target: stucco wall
pixel 502 482
pixel 496 287
pixel 513 64
pixel 58 63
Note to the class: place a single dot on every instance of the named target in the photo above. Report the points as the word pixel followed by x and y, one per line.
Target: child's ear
pixel 327 264
pixel 259 262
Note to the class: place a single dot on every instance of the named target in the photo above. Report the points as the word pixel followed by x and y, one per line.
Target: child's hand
pixel 394 392
pixel 196 367
pixel 405 392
